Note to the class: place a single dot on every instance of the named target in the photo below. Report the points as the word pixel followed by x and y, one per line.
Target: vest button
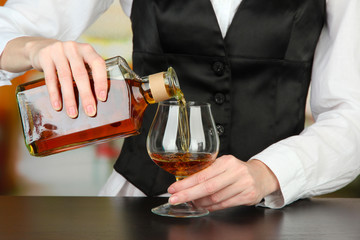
pixel 219 98
pixel 220 129
pixel 218 68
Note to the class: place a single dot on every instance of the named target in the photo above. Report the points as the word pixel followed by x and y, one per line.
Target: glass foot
pixel 183 210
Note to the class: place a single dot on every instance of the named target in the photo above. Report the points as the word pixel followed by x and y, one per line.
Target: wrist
pixel 269 181
pixel 15 56
pixel 32 47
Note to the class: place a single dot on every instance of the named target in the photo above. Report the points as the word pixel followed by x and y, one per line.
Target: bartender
pixel 253 60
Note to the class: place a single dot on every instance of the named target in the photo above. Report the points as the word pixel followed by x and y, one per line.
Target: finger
pixel 213 170
pixel 236 200
pixel 242 192
pixel 81 77
pixel 246 198
pixel 66 82
pixel 207 188
pixel 52 83
pixel 98 70
pixel 220 196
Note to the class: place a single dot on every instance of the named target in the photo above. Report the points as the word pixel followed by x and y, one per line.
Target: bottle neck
pixel 161 86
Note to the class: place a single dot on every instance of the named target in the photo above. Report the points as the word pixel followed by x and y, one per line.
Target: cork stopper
pixel 158 88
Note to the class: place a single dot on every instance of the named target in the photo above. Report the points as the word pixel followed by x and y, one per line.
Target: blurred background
pixel 80 172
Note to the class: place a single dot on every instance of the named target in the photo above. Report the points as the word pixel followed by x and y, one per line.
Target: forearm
pixel 22 18
pixel 324 157
pixel 18 52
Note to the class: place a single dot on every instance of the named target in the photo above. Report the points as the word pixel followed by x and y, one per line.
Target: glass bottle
pixel 47 131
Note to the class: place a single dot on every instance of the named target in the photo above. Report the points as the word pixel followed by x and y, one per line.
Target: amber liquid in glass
pixel 183 164
pixel 51 131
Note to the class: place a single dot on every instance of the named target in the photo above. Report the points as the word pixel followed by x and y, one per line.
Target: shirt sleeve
pixel 59 19
pixel 326 155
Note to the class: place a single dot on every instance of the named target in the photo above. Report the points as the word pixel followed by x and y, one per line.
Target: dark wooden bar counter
pixel 48 218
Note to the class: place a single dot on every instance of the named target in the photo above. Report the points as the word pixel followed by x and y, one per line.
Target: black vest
pixel 256 79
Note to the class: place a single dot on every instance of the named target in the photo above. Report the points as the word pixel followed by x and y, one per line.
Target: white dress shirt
pixel 323 158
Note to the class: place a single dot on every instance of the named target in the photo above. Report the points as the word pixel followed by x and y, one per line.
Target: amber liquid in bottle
pixel 48 131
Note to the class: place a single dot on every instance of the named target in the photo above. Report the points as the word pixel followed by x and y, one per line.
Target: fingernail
pixel 171 190
pixel 102 95
pixel 72 112
pixel 56 105
pixel 90 110
pixel 173 200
